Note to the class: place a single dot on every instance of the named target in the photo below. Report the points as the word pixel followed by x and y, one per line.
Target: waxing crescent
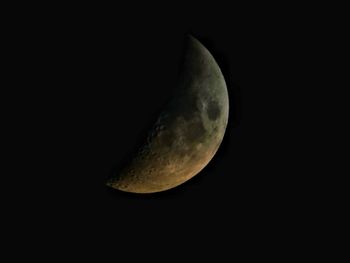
pixel 187 133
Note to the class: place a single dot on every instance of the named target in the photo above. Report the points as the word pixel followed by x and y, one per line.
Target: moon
pixel 187 133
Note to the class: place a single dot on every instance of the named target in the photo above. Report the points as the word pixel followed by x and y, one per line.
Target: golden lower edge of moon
pixel 146 176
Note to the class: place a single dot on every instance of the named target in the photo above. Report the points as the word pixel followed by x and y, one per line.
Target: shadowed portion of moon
pixel 187 133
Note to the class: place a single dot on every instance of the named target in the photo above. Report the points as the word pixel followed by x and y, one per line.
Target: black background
pixel 101 75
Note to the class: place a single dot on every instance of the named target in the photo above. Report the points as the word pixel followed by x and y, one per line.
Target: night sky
pixel 128 72
pixel 106 73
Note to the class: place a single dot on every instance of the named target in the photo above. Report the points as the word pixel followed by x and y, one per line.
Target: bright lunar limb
pixel 187 133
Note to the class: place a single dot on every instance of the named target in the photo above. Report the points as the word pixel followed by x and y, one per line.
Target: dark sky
pixel 106 72
pixel 125 70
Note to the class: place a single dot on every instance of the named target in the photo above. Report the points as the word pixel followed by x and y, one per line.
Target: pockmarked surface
pixel 187 133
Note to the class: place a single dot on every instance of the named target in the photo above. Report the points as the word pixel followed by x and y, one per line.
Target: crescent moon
pixel 187 133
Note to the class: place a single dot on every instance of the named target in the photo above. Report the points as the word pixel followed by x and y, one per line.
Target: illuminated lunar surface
pixel 187 133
